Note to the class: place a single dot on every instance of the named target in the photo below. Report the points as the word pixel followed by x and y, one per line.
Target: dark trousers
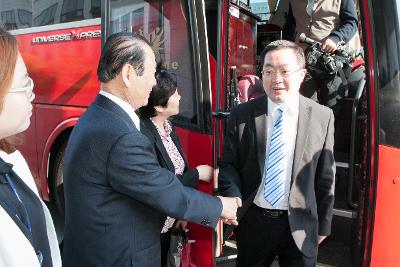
pixel 261 238
pixel 165 240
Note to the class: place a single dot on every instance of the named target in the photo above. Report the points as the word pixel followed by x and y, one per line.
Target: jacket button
pixel 205 222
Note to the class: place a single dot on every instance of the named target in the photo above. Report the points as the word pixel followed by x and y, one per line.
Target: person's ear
pixel 303 73
pixel 128 73
pixel 159 109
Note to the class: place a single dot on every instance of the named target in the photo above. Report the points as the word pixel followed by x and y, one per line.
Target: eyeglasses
pixel 28 89
pixel 269 73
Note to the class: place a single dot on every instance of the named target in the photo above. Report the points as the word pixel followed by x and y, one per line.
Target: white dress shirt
pixel 15 249
pixel 125 106
pixel 290 133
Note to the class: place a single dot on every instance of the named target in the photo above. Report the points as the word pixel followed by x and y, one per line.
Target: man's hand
pixel 329 46
pixel 321 238
pixel 181 224
pixel 205 172
pixel 229 209
pixel 233 222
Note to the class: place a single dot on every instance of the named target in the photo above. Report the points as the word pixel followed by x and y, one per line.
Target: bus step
pixel 226 261
pixel 229 255
pixel 344 165
pixel 228 258
pixel 231 262
pixel 351 214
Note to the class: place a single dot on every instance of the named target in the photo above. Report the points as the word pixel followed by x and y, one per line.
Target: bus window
pixel 71 10
pixel 44 14
pixel 168 26
pixel 16 14
pixel 388 54
pixel 58 11
pixel 25 18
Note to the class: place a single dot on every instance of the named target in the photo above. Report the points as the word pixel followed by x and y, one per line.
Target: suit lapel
pixel 153 133
pixel 302 135
pixel 110 105
pixel 261 134
pixel 163 152
pixel 175 139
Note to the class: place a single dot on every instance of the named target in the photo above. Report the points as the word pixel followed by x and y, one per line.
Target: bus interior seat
pixel 250 87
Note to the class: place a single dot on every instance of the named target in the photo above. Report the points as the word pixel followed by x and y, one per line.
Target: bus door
pixel 344 246
pixel 384 238
pixel 364 226
pixel 177 31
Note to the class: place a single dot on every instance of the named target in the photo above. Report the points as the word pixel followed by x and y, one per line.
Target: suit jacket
pixel 190 177
pixel 15 248
pixel 116 193
pixel 311 193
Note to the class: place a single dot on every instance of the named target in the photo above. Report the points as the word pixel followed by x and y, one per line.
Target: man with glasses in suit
pixel 278 158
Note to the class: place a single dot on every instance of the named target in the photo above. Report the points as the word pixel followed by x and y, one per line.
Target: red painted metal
pixel 198 149
pixel 242 42
pixel 65 82
pixel 386 235
pixel 64 72
pixel 369 212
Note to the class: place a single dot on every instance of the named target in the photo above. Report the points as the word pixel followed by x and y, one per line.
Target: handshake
pixel 229 209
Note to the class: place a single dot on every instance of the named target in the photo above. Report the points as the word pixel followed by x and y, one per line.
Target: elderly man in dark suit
pixel 116 193
pixel 278 158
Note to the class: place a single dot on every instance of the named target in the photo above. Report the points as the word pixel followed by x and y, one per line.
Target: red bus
pixel 61 41
pixel 210 45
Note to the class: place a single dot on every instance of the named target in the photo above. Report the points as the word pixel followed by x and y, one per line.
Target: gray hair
pixel 120 49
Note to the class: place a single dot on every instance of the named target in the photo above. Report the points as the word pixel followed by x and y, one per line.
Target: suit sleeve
pixel 133 170
pixel 189 178
pixel 229 183
pixel 348 22
pixel 325 181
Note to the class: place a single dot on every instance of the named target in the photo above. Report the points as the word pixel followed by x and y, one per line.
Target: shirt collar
pixel 125 106
pixel 5 167
pixel 292 106
pixel 165 132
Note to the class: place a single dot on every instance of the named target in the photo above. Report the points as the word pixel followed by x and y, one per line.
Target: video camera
pixel 318 60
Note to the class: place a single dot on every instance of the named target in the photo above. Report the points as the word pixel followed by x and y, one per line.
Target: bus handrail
pixel 350 184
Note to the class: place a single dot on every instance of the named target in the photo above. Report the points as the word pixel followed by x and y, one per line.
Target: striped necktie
pixel 274 186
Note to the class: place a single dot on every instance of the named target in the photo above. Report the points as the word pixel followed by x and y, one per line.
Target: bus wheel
pixel 58 180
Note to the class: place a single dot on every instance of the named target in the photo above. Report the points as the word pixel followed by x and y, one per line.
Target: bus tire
pixel 58 180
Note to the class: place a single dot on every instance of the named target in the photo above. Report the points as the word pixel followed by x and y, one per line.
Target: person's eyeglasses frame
pixel 282 75
pixel 27 89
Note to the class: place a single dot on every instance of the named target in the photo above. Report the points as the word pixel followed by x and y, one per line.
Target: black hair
pixel 284 44
pixel 120 49
pixel 166 86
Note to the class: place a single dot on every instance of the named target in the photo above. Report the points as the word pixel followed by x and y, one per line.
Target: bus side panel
pixel 51 118
pixel 64 72
pixel 386 236
pixel 198 150
pixel 62 64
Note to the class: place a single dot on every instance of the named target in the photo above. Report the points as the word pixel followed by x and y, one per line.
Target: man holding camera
pixel 329 22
